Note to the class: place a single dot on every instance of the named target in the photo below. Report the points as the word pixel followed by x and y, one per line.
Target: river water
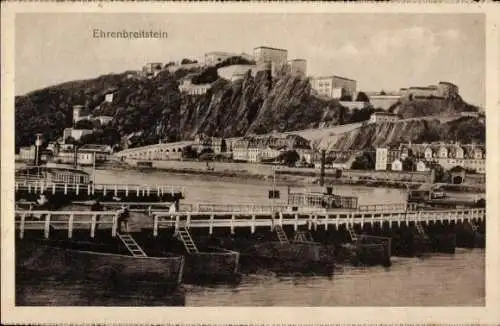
pixel 435 280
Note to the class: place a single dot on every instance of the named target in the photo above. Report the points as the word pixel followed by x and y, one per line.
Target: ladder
pixel 420 229
pixel 352 233
pixel 131 245
pixel 281 234
pixel 187 240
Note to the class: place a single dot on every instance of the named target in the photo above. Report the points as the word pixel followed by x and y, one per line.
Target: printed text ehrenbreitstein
pixel 138 34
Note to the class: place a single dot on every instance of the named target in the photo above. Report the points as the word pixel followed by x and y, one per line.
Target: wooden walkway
pixel 70 220
pixel 93 189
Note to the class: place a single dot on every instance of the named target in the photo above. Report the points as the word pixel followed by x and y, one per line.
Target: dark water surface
pixel 437 280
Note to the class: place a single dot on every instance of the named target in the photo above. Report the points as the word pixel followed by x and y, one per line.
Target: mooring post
pixel 47 225
pixel 326 222
pixel 137 191
pixel 17 186
pixel 29 188
pixel 92 225
pixel 252 225
pixel 296 222
pixel 176 229
pixel 53 188
pixel 21 227
pixel 155 225
pixel 116 190
pixel 188 219
pixel 232 223
pixel 115 225
pixel 70 226
pixel 93 189
pixel 148 190
pixel 211 224
pixel 77 188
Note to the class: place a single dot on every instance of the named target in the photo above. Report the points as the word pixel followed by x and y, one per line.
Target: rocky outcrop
pixel 464 130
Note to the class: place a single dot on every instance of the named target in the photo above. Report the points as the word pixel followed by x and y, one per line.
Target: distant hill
pixel 154 109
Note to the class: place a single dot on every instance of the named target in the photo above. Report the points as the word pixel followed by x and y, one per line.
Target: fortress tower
pixel 76 113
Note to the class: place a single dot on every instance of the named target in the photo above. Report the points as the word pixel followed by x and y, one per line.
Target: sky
pixel 380 51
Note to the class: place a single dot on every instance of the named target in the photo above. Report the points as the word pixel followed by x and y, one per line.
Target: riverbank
pixel 292 175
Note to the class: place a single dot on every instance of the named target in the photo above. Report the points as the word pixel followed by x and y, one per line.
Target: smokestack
pixel 322 173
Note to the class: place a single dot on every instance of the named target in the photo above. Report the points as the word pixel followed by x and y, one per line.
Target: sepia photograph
pixel 249 159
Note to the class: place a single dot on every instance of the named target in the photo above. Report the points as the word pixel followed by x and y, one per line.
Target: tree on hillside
pixel 363 162
pixel 207 76
pixel 289 158
pixel 409 164
pixel 186 61
pixel 69 140
pixel 362 97
pixel 84 124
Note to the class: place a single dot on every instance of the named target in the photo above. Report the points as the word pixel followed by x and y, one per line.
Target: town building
pixel 343 163
pixel 101 152
pixel 380 117
pixel 108 98
pixel 77 116
pixel 422 166
pixel 188 87
pixel 76 134
pixel 298 67
pixel 384 102
pixel 397 165
pixel 152 69
pixel 385 157
pixel 216 57
pixel 236 72
pixel 277 58
pixel 334 86
pixel 351 105
pixel 260 148
pixel 448 155
pixel 216 144
pixel 441 90
pixel 27 153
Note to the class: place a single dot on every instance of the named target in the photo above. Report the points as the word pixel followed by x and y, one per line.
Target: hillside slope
pixel 464 130
pixel 154 109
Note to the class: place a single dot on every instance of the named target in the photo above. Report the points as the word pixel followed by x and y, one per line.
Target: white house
pixel 397 165
pixel 422 166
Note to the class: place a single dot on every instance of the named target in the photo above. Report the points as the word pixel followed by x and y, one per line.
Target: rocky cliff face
pixel 155 109
pixel 464 130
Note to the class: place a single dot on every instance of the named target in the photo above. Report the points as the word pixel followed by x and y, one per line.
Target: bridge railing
pixel 233 219
pixel 70 220
pixel 381 207
pixel 53 187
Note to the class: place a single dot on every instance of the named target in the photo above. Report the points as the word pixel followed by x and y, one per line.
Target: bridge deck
pixel 45 220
